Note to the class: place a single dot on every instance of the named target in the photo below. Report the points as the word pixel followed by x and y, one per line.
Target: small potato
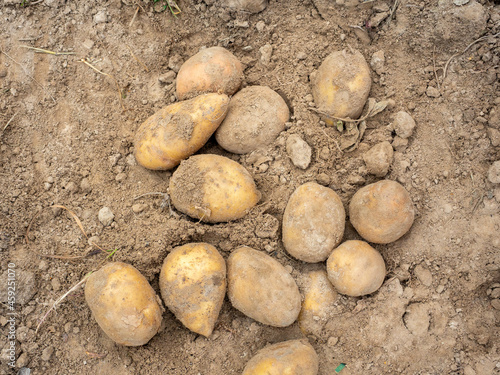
pixel 213 69
pixel 213 188
pixel 255 118
pixel 293 357
pixel 356 269
pixel 179 130
pixel 193 285
pixel 251 6
pixel 123 304
pixel 261 288
pixel 382 212
pixel 341 85
pixel 313 222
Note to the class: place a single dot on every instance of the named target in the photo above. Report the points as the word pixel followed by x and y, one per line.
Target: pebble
pixel 106 216
pixel 71 187
pixel 24 371
pixel 43 266
pixel 120 177
pixel 267 227
pixel 432 92
pixel 495 303
pixel 494 136
pixel 424 275
pixel 301 56
pixel 130 160
pixel 25 286
pixel 85 185
pixel 299 151
pixel 399 144
pixel 67 327
pixel 56 284
pixel 260 26
pixel 139 207
pixel 378 61
pixel 494 173
pixel 3 73
pixel 175 63
pixel 265 54
pixel 403 124
pixel 378 159
pixel 332 341
pixel 100 17
pixel 323 179
pixel 417 318
pixel 167 77
pixel 22 361
pixel 88 43
pixel 47 353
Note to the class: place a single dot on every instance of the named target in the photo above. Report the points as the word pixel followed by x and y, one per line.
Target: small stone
pixel 332 341
pixel 3 73
pixel 260 26
pixel 299 151
pixel 432 92
pixel 242 24
pixel 50 180
pixel 403 124
pixel 130 160
pixel 76 330
pixel 494 135
pixel 47 353
pixel 100 17
pixel 378 159
pixel 106 216
pixel 139 207
pixel 120 177
pixel 47 186
pixel 85 185
pixel 23 360
pixel 56 284
pixel 323 179
pixel 3 321
pixel 399 144
pixel 67 327
pixel 378 61
pixel 267 227
pixel 24 371
pixel 417 319
pixel 175 63
pixel 301 56
pixel 71 187
pixel 43 266
pixel 494 173
pixel 87 43
pixel 167 77
pixel 25 285
pixel 424 275
pixel 495 303
pixel 265 54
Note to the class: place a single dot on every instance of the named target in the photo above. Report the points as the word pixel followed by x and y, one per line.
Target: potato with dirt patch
pixel 293 357
pixel 382 212
pixel 341 85
pixel 193 285
pixel 261 288
pixel 179 130
pixel 123 304
pixel 213 69
pixel 356 269
pixel 255 118
pixel 213 188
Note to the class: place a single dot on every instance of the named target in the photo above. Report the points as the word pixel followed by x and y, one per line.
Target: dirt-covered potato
pixel 193 285
pixel 213 69
pixel 293 357
pixel 382 212
pixel 213 188
pixel 179 130
pixel 355 268
pixel 123 304
pixel 255 117
pixel 313 222
pixel 261 288
pixel 341 85
pixel 251 6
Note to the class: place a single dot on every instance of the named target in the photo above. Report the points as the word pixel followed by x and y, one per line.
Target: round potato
pixel 179 130
pixel 356 269
pixel 251 6
pixel 382 212
pixel 193 285
pixel 213 69
pixel 293 357
pixel 313 222
pixel 261 288
pixel 213 188
pixel 341 85
pixel 255 117
pixel 123 304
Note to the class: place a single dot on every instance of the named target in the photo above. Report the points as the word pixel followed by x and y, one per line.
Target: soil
pixel 66 138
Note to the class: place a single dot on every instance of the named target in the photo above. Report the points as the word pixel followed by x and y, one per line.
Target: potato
pixel 355 268
pixel 261 288
pixel 382 212
pixel 255 118
pixel 313 222
pixel 251 6
pixel 193 285
pixel 213 188
pixel 178 130
pixel 293 357
pixel 341 85
pixel 320 295
pixel 123 304
pixel 213 69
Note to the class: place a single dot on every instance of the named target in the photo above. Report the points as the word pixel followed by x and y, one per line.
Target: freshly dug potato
pixel 356 269
pixel 341 85
pixel 313 222
pixel 123 304
pixel 382 212
pixel 213 188
pixel 261 288
pixel 293 357
pixel 320 295
pixel 255 118
pixel 213 69
pixel 251 6
pixel 193 285
pixel 179 130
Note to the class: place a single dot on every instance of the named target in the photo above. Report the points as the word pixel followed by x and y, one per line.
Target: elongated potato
pixel 213 69
pixel 123 304
pixel 293 357
pixel 313 222
pixel 213 188
pixel 261 288
pixel 193 285
pixel 179 130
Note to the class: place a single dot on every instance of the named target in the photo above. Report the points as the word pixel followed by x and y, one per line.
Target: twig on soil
pixel 41 50
pixel 133 18
pixel 138 59
pixel 333 140
pixel 8 122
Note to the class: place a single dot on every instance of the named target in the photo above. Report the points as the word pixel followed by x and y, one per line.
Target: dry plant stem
pixel 8 122
pixel 333 140
pixel 337 118
pixel 41 50
pixel 137 59
pixel 133 18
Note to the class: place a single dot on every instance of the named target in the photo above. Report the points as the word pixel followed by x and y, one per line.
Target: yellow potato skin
pixel 293 357
pixel 123 304
pixel 356 269
pixel 179 130
pixel 193 285
pixel 213 188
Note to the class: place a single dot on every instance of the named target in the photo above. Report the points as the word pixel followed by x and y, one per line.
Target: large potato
pixel 179 130
pixel 256 116
pixel 341 85
pixel 382 212
pixel 213 188
pixel 193 285
pixel 213 69
pixel 313 222
pixel 261 288
pixel 123 304
pixel 356 269
pixel 293 357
